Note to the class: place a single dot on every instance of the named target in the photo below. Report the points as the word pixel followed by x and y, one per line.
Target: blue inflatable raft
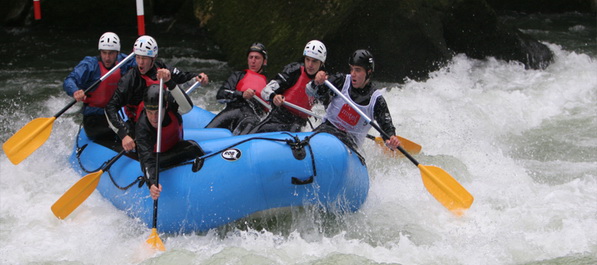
pixel 238 176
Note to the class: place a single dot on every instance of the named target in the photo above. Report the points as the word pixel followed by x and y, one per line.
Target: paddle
pixel 408 145
pixel 25 141
pixel 79 192
pixel 194 86
pixel 437 181
pixel 265 104
pixel 154 239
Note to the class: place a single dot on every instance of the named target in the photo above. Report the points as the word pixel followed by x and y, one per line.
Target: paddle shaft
pixel 412 159
pixel 155 203
pixel 194 86
pixel 158 150
pixel 113 160
pixel 268 106
pixel 154 238
pixel 301 109
pixel 384 134
pixel 308 112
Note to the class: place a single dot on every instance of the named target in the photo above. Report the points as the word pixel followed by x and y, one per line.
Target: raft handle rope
pixel 298 151
pixel 79 151
pixel 297 147
pixel 139 179
pixel 295 144
pixel 198 162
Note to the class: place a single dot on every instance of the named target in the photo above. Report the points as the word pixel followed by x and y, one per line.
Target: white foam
pixel 472 119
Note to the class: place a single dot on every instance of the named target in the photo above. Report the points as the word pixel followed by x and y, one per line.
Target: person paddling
pixel 289 85
pixel 86 73
pixel 242 111
pixel 174 149
pixel 134 84
pixel 340 119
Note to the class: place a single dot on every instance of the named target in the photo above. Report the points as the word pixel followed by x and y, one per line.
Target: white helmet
pixel 146 46
pixel 109 41
pixel 315 49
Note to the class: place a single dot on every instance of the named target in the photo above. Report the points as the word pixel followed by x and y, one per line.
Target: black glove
pixel 170 84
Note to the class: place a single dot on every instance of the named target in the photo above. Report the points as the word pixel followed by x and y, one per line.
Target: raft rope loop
pixel 296 145
pixel 298 150
pixel 79 151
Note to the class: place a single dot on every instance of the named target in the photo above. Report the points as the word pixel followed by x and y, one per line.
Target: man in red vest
pixel 174 149
pixel 289 85
pixel 87 72
pixel 134 84
pixel 242 111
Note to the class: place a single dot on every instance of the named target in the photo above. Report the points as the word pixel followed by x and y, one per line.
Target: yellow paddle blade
pixel 154 240
pixel 409 146
pixel 24 142
pixel 446 189
pixel 76 195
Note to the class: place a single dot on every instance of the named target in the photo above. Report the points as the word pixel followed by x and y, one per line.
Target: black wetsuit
pixel 146 138
pixel 240 115
pixel 131 89
pixel 360 96
pixel 280 118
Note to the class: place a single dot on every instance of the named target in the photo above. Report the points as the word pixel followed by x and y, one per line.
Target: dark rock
pixel 544 6
pixel 408 38
pixel 14 12
pixel 405 40
pixel 471 27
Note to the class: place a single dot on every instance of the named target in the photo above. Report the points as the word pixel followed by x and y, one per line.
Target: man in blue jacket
pixel 88 71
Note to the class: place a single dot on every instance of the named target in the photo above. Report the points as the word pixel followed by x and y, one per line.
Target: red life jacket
pixel 133 111
pixel 297 95
pixel 252 80
pixel 171 133
pixel 100 96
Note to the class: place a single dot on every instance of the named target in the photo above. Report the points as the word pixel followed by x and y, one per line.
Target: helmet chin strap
pixel 152 62
pixel 368 76
pixel 262 68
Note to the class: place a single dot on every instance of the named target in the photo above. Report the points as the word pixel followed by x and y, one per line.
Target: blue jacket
pixel 86 73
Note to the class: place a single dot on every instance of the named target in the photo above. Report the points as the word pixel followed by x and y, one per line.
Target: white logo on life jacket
pixel 231 154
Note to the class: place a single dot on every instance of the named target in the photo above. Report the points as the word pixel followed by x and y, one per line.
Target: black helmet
pixel 152 97
pixel 362 58
pixel 258 47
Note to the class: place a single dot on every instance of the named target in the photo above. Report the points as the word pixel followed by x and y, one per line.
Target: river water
pixel 523 142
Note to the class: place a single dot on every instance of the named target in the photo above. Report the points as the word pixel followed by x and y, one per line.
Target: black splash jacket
pixel 360 96
pixel 131 89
